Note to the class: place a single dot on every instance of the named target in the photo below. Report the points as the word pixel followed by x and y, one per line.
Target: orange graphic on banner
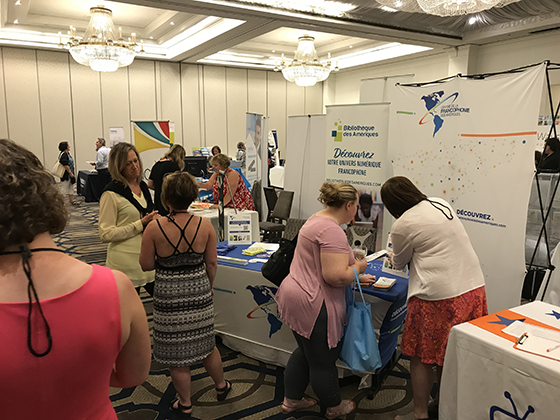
pixel 489 324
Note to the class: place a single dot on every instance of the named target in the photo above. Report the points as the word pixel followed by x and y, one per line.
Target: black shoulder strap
pixel 441 207
pixel 126 192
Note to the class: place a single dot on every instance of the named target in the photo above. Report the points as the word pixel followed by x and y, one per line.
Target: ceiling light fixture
pixel 100 48
pixel 460 7
pixel 305 69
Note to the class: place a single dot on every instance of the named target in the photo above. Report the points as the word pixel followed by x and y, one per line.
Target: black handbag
pixel 278 265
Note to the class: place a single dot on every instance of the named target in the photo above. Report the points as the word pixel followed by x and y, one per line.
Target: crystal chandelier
pixel 305 69
pixel 101 48
pixel 459 7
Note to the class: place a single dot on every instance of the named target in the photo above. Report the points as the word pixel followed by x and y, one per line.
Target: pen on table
pixel 553 348
pixel 521 338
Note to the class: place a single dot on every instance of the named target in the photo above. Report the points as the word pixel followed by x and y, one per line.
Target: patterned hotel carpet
pixel 257 387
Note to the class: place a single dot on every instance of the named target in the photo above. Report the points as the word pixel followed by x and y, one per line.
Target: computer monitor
pixel 196 166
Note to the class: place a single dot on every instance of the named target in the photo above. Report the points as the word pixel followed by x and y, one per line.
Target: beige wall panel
pixel 191 100
pixel 425 69
pixel 215 111
pixel 277 88
pixel 157 85
pixel 170 87
pixel 22 97
pixel 295 102
pixel 314 99
pixel 86 107
pixel 510 54
pixel 257 92
pixel 236 82
pixel 114 104
pixel 55 101
pixel 3 115
pixel 141 77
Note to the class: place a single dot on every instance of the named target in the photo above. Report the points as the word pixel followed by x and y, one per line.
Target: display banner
pixel 253 146
pixel 150 138
pixel 152 135
pixel 356 152
pixel 471 142
pixel 116 135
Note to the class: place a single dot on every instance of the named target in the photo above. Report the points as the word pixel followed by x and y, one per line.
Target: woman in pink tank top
pixel 68 330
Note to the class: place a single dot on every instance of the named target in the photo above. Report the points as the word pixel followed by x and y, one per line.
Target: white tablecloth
pixel 484 377
pixel 212 215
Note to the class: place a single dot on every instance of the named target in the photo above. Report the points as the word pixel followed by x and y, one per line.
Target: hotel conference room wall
pixel 46 97
pixel 434 65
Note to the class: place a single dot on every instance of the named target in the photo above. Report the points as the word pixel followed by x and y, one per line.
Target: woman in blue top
pixel 68 179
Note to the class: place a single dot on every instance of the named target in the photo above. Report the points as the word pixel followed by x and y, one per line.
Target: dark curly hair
pixel 30 203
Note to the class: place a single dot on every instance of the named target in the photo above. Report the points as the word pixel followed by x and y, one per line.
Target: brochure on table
pixel 239 229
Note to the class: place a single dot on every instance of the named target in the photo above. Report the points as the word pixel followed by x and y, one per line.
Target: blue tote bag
pixel 359 345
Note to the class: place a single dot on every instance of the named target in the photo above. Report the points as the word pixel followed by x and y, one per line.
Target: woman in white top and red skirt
pixel 446 284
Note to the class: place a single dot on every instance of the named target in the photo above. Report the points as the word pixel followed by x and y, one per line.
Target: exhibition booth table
pixel 212 215
pixel 488 375
pixel 89 186
pixel 247 318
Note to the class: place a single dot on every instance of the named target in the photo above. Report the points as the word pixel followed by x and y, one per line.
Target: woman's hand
pixel 360 266
pixel 149 217
pixel 72 175
pixel 214 206
pixel 367 278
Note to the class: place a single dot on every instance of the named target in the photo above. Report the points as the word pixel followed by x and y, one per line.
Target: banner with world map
pixel 471 142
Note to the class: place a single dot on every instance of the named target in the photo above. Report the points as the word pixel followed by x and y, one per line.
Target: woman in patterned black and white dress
pixel 182 249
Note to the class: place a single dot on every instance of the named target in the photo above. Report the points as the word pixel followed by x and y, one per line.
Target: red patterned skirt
pixel 428 323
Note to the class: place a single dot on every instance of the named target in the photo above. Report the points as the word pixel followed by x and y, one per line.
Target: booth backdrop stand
pixel 540 269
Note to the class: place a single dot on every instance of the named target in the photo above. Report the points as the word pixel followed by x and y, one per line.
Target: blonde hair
pixel 117 162
pixel 177 154
pixel 221 160
pixel 337 195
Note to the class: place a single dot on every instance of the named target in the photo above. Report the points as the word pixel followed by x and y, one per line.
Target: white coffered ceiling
pixel 245 34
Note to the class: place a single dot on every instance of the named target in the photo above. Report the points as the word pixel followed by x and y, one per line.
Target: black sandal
pixel 180 408
pixel 224 391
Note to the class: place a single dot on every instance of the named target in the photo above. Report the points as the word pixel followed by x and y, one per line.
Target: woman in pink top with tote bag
pixel 312 303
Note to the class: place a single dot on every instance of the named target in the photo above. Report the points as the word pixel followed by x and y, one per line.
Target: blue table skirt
pixel 399 289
